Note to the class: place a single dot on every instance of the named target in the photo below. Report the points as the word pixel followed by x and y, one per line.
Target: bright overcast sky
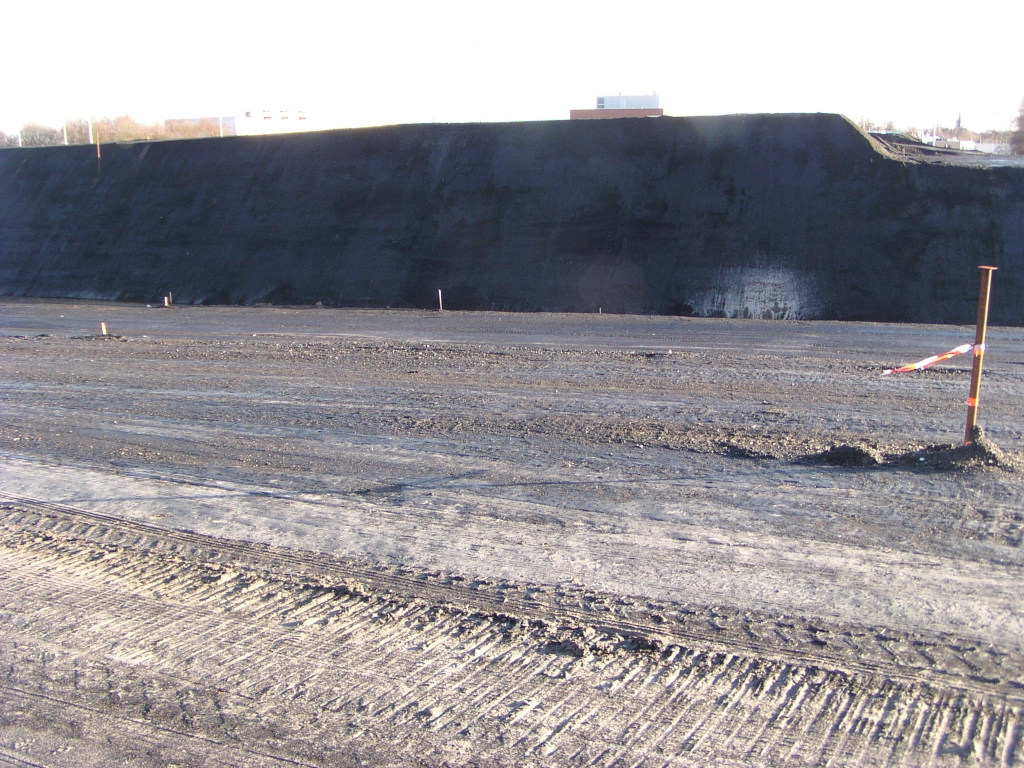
pixel 372 63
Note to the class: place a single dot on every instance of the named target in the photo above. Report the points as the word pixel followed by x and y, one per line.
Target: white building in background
pixel 967 146
pixel 260 122
pixel 620 106
pixel 992 149
pixel 628 102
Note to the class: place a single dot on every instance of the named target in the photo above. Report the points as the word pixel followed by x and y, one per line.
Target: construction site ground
pixel 278 536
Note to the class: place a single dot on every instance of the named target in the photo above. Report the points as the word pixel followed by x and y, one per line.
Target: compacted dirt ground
pixel 266 536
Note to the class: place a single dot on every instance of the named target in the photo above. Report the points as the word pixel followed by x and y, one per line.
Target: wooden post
pixel 979 352
pixel 440 306
pixel 103 328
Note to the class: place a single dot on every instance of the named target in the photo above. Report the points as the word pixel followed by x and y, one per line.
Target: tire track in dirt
pixel 123 617
pixel 927 657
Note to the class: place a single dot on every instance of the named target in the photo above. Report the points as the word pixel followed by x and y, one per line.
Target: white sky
pixel 356 63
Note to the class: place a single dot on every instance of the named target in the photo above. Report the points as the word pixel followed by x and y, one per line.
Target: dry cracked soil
pixel 282 536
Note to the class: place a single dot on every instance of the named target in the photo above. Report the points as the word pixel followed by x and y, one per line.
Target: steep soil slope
pixel 771 216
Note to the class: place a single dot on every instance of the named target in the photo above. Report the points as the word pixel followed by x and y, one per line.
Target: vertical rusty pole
pixel 979 352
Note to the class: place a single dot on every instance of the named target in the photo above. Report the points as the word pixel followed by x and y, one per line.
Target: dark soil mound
pixel 764 216
pixel 978 454
pixel 848 456
pixel 982 453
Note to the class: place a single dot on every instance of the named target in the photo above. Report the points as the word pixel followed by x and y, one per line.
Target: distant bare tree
pixel 125 128
pixel 994 137
pixel 36 135
pixel 196 128
pixel 78 131
pixel 1017 137
pixel 111 129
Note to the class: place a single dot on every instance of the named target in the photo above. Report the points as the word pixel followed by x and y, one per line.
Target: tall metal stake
pixel 979 352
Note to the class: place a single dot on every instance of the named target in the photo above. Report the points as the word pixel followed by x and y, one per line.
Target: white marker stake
pixel 103 327
pixel 167 302
pixel 440 306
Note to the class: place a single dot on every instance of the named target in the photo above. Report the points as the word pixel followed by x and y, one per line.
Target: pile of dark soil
pixel 980 453
pixel 849 456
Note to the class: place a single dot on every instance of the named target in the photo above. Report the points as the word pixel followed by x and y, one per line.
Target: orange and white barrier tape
pixel 920 364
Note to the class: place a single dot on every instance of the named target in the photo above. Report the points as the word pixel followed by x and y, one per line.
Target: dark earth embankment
pixel 772 216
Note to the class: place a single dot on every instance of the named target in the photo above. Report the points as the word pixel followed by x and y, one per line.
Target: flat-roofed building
pixel 620 106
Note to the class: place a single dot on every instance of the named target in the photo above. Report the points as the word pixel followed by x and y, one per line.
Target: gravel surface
pixel 781 549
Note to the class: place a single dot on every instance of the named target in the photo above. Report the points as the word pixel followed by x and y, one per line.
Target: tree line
pixel 109 129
